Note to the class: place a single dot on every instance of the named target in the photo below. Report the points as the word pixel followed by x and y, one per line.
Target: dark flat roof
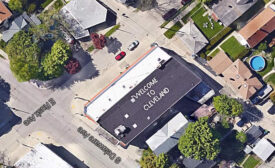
pixel 152 98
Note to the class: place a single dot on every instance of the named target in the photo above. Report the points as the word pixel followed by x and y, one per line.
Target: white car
pixel 133 45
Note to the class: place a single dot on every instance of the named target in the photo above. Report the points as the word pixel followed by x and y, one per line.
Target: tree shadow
pixel 8 119
pixel 4 91
pixel 113 45
pixel 88 71
pixel 251 113
pixel 67 156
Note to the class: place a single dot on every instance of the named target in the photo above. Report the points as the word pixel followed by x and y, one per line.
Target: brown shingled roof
pixel 269 26
pixel 220 62
pixel 4 12
pixel 239 76
pixel 256 38
pixel 255 24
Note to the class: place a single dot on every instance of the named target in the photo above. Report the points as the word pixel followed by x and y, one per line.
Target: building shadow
pixel 67 156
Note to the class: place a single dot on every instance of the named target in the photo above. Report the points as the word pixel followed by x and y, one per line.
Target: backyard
pixel 270 79
pixel 269 64
pixel 204 23
pixel 233 48
pixel 251 162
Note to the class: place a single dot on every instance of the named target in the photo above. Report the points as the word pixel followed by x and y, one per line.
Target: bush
pixel 225 123
pixel 99 41
pixel 272 97
pixel 91 48
pixel 31 8
pixel 73 66
pixel 58 4
pixel 46 3
pixel 241 136
pixel 2 44
pixel 202 55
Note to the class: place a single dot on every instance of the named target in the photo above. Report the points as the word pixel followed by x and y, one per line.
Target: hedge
pixel 2 44
pixel 218 38
pixel 112 30
pixel 46 3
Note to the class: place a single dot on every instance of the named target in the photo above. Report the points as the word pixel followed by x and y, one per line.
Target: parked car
pixel 133 45
pixel 168 15
pixel 184 2
pixel 120 55
pixel 242 122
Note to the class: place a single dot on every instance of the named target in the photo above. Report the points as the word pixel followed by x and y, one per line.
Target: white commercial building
pixel 125 83
pixel 41 157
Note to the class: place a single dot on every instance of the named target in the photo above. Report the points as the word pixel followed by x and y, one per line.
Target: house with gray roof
pixel 17 25
pixel 227 11
pixel 167 137
pixel 81 15
pixel 192 37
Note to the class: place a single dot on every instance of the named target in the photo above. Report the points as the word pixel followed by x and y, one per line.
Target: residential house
pixel 191 36
pixel 204 111
pixel 17 25
pixel 227 11
pixel 81 15
pixel 167 137
pixel 5 13
pixel 259 27
pixel 237 74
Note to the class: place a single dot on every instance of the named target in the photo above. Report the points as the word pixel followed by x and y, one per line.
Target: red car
pixel 120 55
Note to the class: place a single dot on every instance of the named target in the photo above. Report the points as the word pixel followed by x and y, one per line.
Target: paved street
pixel 59 124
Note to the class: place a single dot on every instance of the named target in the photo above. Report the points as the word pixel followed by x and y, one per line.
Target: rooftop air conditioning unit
pixel 120 130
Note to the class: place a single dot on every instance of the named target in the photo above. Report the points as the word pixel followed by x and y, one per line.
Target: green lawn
pixel 269 64
pixel 112 30
pixel 233 48
pixel 270 79
pixel 199 20
pixel 214 53
pixel 187 16
pixel 251 162
pixel 173 30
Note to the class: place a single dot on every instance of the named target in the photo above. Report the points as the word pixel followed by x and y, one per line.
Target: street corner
pixel 40 137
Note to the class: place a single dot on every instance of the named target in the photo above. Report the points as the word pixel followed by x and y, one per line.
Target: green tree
pixel 23 56
pixel 150 160
pixel 16 5
pixel 227 106
pixel 262 46
pixel 198 141
pixel 31 8
pixel 53 63
pixel 162 161
pixel 241 136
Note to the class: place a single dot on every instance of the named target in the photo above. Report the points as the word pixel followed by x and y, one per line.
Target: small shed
pixel 263 149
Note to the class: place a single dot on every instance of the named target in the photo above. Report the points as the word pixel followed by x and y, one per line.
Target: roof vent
pixel 135 125
pixel 148 118
pixel 133 100
pixel 126 115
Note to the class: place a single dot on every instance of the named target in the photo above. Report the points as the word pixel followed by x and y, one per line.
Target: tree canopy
pixel 227 106
pixel 241 136
pixel 198 141
pixel 23 56
pixel 16 5
pixel 53 63
pixel 146 4
pixel 150 160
